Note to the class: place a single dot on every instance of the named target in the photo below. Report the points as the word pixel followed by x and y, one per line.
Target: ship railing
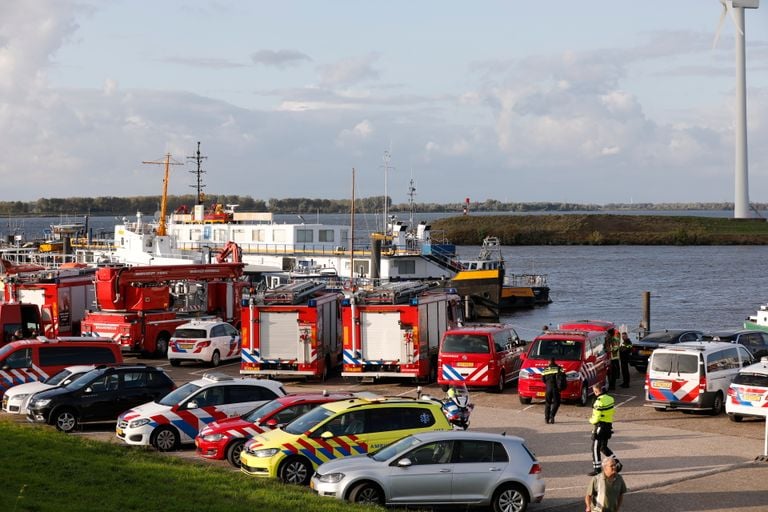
pixel 524 280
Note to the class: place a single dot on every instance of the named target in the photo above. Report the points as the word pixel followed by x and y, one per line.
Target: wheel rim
pixel 165 440
pixel 65 421
pixel 215 358
pixel 234 454
pixel 511 500
pixel 368 495
pixel 295 472
pixel 501 382
pixel 584 394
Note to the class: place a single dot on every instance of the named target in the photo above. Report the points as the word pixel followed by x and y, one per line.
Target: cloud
pixel 349 71
pixel 279 58
pixel 202 62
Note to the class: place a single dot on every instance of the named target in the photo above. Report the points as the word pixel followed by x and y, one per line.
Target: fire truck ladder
pixel 292 293
pixel 395 293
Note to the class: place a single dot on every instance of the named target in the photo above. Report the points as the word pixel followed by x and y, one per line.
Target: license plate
pixel 465 365
pixel 186 346
pixel 540 393
pixel 752 397
pixel 661 384
pixel 645 352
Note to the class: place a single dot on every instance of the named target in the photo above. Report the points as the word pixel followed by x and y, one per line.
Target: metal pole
pixel 645 323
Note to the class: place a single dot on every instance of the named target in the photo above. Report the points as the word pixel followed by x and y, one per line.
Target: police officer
pixel 625 350
pixel 552 376
pixel 612 344
pixel 602 428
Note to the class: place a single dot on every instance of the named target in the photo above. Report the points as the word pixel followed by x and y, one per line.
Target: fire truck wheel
pixel 525 400
pixel 165 439
pixel 215 358
pixel 65 420
pixel 233 452
pixel 161 346
pixel 295 470
pixel 432 371
pixel 584 395
pixel 499 388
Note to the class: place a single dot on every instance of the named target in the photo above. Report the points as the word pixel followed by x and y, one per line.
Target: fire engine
pixel 394 330
pixel 46 302
pixel 292 330
pixel 140 307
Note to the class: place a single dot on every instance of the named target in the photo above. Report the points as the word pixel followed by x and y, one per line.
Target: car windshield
pixel 752 379
pixel 562 350
pixel 661 337
pixel 719 337
pixel 392 449
pixel 58 378
pixel 179 394
pixel 675 363
pixel 307 421
pixel 259 412
pixel 466 343
pixel 190 333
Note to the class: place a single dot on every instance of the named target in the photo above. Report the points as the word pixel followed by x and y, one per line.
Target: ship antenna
pixel 199 172
pixel 411 198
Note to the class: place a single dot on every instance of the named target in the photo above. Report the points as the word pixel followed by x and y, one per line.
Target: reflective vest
pixel 614 344
pixel 602 410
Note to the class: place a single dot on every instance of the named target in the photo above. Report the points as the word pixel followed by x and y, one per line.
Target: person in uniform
pixel 605 492
pixel 612 344
pixel 625 350
pixel 553 375
pixel 602 428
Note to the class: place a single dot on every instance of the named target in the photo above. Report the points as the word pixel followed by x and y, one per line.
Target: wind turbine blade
pixel 720 24
pixel 729 4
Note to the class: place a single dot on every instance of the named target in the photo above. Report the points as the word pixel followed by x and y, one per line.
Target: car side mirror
pixel 326 435
pixel 271 423
pixel 591 359
pixel 89 389
pixel 191 405
pixel 404 462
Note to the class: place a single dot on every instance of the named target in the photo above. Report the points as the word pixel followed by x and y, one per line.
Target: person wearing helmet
pixel 602 428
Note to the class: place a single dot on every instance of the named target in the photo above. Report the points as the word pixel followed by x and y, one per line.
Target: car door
pixel 243 398
pixel 477 467
pixel 98 401
pixel 219 340
pixel 231 348
pixel 134 390
pixel 422 475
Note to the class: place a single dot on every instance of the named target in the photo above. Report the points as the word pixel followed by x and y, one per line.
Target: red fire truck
pixel 394 330
pixel 46 302
pixel 293 330
pixel 140 307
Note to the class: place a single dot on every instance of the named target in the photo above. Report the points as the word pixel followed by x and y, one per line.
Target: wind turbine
pixel 741 185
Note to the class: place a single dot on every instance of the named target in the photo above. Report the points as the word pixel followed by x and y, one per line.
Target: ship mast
pixel 411 200
pixel 161 230
pixel 197 158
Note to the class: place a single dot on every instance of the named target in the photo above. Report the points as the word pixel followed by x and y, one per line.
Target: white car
pixel 16 399
pixel 748 393
pixel 181 414
pixel 208 341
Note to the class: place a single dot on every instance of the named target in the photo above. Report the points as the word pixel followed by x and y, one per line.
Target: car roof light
pixel 217 377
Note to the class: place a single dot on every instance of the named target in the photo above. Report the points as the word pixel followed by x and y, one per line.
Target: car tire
pixel 510 498
pixel 583 395
pixel 164 439
pixel 215 359
pixel 295 470
pixel 233 452
pixel 174 362
pixel 661 409
pixel 161 346
pixel 525 400
pixel 735 418
pixel 499 387
pixel 65 419
pixel 717 405
pixel 367 493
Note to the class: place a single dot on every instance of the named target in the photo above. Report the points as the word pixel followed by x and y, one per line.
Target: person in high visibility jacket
pixel 554 378
pixel 602 427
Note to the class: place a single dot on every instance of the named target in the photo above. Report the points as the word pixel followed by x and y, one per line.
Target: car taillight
pixel 203 344
pixel 731 392
pixel 702 384
pixel 535 469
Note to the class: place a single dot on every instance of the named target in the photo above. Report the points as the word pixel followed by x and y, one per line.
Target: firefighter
pixel 625 350
pixel 602 428
pixel 612 345
pixel 554 378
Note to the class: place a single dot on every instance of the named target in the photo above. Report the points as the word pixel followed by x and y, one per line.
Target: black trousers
pixel 613 374
pixel 600 436
pixel 625 372
pixel 551 404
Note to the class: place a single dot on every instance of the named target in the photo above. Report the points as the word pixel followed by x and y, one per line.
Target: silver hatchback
pixel 438 468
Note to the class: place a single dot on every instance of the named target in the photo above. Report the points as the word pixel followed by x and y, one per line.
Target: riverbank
pixel 596 229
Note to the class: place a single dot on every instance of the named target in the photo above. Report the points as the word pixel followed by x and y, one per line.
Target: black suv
pixel 99 395
pixel 641 350
pixel 754 341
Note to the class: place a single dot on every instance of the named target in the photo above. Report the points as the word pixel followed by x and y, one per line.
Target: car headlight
pixel 41 402
pixel 524 375
pixel 21 397
pixel 264 452
pixel 138 423
pixel 330 478
pixel 572 376
pixel 212 438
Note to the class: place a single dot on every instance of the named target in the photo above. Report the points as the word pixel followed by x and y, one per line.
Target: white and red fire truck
pixel 46 302
pixel 293 330
pixel 394 330
pixel 140 307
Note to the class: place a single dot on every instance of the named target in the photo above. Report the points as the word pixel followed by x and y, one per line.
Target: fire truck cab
pixel 292 330
pixel 394 330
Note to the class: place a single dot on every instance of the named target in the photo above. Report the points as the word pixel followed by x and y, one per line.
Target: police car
pixel 748 393
pixel 334 430
pixel 180 415
pixel 204 340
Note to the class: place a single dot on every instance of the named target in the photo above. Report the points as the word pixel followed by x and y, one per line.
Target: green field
pixel 44 470
pixel 599 229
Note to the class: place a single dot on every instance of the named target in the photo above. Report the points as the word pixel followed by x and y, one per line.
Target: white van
pixel 693 375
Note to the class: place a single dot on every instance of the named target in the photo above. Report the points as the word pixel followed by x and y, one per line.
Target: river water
pixel 703 287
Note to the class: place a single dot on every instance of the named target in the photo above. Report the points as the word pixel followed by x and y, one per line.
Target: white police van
pixel 693 375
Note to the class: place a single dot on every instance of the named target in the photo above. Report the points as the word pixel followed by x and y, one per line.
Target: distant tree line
pixel 116 206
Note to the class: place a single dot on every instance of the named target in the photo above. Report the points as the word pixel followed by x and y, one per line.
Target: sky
pixel 584 102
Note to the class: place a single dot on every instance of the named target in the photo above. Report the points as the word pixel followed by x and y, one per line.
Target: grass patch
pixel 45 470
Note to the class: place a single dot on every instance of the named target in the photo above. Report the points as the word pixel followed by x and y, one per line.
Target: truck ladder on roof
pixel 292 293
pixel 394 293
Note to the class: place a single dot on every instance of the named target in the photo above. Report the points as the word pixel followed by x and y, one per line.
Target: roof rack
pixel 394 292
pixel 292 293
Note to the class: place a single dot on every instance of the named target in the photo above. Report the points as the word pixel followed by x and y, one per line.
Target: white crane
pixel 736 8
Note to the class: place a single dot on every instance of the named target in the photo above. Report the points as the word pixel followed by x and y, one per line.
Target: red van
pixel 580 353
pixel 480 355
pixel 30 360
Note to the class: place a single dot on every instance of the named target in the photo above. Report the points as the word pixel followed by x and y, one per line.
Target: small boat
pixel 758 321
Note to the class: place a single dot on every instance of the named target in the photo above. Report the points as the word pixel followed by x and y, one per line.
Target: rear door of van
pixel 674 377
